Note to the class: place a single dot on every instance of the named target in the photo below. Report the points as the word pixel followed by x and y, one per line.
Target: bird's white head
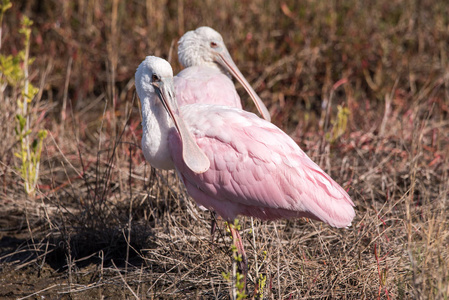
pixel 154 81
pixel 205 47
pixel 200 47
pixel 149 71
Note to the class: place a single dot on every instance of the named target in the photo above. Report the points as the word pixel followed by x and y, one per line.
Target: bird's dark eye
pixel 213 45
pixel 155 78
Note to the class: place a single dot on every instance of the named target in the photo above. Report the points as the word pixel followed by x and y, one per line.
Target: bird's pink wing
pixel 257 170
pixel 205 85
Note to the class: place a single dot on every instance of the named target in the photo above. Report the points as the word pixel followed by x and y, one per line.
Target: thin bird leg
pixel 213 226
pixel 243 264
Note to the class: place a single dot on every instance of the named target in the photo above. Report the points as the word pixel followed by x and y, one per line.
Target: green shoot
pixel 262 281
pixel 4 6
pixel 236 279
pixel 14 72
pixel 339 125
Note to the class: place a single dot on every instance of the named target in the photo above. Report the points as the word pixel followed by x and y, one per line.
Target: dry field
pixel 362 87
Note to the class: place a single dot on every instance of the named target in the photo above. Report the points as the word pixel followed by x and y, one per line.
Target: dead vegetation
pixel 362 87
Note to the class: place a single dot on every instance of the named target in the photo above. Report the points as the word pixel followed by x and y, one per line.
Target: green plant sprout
pixel 261 282
pixel 14 72
pixel 237 280
pixel 4 6
pixel 339 125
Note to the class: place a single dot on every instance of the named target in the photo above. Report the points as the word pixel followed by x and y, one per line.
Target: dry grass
pixel 107 225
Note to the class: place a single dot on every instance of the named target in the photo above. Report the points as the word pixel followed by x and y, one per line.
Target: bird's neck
pixel 156 126
pixel 189 57
pixel 223 70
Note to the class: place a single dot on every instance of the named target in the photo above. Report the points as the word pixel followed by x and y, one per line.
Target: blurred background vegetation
pixel 293 52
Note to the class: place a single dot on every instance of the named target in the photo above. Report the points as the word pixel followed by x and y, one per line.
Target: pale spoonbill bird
pixel 231 161
pixel 206 78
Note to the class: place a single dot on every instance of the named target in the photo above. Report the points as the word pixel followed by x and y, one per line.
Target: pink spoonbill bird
pixel 206 77
pixel 231 161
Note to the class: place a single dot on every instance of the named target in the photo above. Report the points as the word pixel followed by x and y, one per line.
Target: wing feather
pixel 260 172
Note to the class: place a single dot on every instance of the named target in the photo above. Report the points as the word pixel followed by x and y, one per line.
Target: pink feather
pixel 256 170
pixel 207 85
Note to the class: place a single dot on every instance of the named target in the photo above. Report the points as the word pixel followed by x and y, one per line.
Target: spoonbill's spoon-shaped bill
pixel 205 46
pixel 192 155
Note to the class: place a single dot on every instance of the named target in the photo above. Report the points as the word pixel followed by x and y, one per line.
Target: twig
pixel 38 292
pixel 124 281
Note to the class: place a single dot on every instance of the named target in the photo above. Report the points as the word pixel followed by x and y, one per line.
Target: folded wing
pixel 257 170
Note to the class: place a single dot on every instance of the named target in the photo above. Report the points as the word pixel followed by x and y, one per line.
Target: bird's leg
pixel 243 263
pixel 213 226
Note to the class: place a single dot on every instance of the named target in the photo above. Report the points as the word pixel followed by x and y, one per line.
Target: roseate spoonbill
pixel 206 78
pixel 232 161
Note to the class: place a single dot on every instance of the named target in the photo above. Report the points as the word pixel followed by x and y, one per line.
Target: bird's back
pixel 256 170
pixel 206 85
